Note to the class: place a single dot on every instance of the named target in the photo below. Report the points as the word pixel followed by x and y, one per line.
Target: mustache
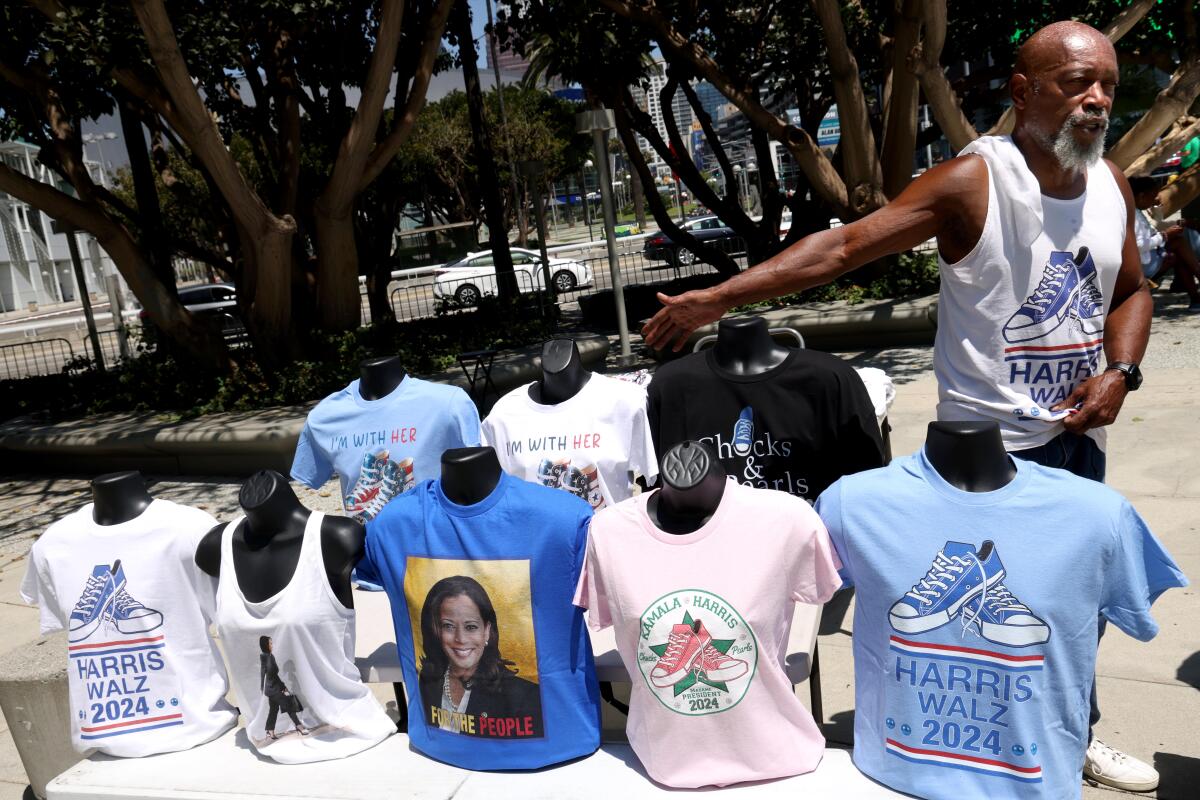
pixel 1088 118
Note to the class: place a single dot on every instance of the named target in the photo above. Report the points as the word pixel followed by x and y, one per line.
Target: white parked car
pixel 474 275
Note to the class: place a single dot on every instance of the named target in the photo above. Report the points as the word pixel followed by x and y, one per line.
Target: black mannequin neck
pixel 745 347
pixel 969 455
pixel 693 485
pixel 119 497
pixel 379 377
pixel 469 474
pixel 271 508
pixel 563 374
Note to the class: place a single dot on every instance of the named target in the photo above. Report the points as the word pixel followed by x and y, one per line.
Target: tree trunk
pixel 1181 192
pixel 145 191
pixel 164 309
pixel 485 156
pixel 864 180
pixel 639 198
pixel 269 277
pixel 900 126
pixel 337 268
pixel 1147 162
pixel 1171 103
pixel 925 62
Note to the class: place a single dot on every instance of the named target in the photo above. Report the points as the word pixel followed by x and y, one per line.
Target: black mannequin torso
pixel 266 546
pixel 119 497
pixel 563 374
pixel 969 455
pixel 379 377
pixel 693 485
pixel 469 474
pixel 745 347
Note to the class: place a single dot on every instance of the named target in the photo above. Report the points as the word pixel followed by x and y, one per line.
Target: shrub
pixel 163 383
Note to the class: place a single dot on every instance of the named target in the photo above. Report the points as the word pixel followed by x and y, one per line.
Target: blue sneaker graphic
pixel 1003 619
pixel 743 432
pixel 128 614
pixel 1050 304
pixel 1089 304
pixel 93 605
pixel 958 575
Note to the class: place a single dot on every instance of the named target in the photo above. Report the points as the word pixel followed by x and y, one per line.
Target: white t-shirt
pixel 144 675
pixel 1021 317
pixel 587 444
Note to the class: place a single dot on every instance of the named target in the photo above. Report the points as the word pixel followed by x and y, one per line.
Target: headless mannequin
pixel 469 474
pixel 969 455
pixel 693 485
pixel 563 374
pixel 745 347
pixel 379 377
pixel 266 546
pixel 119 497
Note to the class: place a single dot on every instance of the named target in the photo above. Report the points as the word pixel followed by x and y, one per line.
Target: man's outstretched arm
pixel 949 201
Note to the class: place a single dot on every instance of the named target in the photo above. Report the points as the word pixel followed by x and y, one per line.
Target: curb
pixel 234 444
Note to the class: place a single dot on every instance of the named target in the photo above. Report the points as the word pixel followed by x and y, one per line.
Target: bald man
pixel 1040 274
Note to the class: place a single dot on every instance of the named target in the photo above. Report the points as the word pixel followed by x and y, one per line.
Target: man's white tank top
pixel 308 673
pixel 1020 325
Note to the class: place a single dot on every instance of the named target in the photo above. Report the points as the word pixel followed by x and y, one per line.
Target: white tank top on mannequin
pixel 1019 326
pixel 312 642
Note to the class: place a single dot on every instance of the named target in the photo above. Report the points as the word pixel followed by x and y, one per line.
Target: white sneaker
pixel 1111 767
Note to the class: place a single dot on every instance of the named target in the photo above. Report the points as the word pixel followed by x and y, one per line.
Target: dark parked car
pixel 211 302
pixel 710 230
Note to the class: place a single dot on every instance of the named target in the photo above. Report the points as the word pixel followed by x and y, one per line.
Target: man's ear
pixel 1020 86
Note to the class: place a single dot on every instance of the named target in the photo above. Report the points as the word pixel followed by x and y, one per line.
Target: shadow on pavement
pixel 1189 671
pixel 839 729
pixel 1178 776
pixel 902 364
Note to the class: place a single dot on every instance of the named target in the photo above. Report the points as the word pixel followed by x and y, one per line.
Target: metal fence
pixel 36 357
pixel 448 290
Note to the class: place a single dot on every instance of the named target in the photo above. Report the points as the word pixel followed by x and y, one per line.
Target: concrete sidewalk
pixel 1148 692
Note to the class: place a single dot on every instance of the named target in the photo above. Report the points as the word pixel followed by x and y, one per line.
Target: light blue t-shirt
pixel 381 448
pixel 975 622
pixel 496 657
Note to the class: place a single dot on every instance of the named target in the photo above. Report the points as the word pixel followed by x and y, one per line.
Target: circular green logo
pixel 696 652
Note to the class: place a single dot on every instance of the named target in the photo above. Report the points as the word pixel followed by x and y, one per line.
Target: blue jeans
pixel 1080 455
pixel 1073 452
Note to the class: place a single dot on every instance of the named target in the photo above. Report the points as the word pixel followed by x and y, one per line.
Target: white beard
pixel 1069 153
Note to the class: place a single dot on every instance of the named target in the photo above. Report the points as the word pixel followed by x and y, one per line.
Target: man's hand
pixel 679 316
pixel 1101 395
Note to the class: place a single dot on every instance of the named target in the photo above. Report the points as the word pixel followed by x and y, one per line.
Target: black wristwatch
pixel 1133 375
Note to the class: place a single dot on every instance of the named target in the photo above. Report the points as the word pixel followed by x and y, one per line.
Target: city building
pixel 35 260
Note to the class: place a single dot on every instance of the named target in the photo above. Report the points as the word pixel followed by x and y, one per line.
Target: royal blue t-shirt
pixel 975 622
pixel 497 660
pixel 382 448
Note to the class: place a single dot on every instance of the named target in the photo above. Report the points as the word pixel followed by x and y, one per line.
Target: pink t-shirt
pixel 701 623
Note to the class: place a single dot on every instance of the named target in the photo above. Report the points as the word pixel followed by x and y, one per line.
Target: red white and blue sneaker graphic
pixel 380 479
pixel 128 614
pixel 94 605
pixel 1089 303
pixel 968 584
pixel 1050 304
pixel 1003 619
pixel 959 574
pixel 106 599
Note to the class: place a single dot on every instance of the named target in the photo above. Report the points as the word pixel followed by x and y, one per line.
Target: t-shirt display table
pixel 227 769
pixel 376 657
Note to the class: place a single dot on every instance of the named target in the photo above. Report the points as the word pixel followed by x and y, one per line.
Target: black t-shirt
pixel 797 427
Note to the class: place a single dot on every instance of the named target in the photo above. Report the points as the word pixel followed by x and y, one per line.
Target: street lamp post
pixel 532 170
pixel 598 123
